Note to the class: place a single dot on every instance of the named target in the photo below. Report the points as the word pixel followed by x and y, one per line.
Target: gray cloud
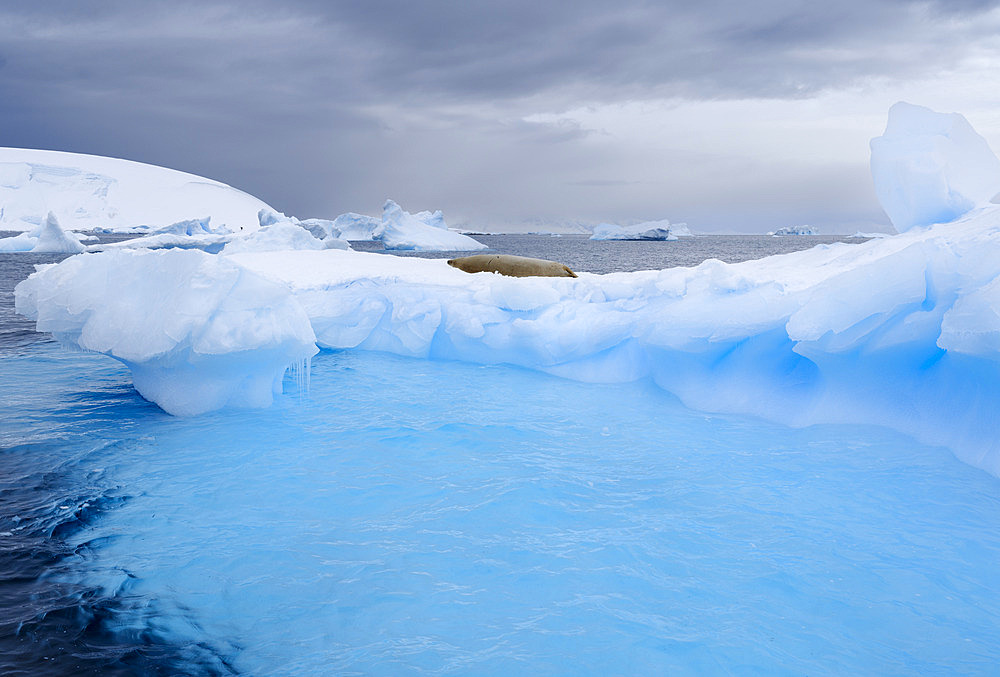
pixel 320 107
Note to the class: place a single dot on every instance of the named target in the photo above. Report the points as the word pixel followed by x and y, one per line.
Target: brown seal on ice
pixel 515 266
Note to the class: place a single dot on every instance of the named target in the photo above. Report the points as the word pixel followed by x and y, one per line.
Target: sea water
pixel 415 517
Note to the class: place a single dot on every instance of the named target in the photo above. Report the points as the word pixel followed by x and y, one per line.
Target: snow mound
pixel 648 230
pixel 794 230
pixel 421 232
pixel 48 237
pixel 931 167
pixel 88 192
pixel 197 331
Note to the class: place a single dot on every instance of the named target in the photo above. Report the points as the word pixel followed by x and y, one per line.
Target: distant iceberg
pixel 424 231
pixel 648 230
pixel 47 238
pixel 794 230
pixel 278 232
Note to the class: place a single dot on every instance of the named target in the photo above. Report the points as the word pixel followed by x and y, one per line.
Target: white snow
pixel 88 192
pixel 48 237
pixel 424 231
pixel 931 167
pixel 648 230
pixel 794 230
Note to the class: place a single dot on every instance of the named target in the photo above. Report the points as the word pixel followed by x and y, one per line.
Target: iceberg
pixel 48 238
pixel 794 230
pixel 351 226
pixel 424 231
pixel 648 230
pixel 278 232
pixel 931 167
pixel 88 192
pixel 898 331
pixel 197 332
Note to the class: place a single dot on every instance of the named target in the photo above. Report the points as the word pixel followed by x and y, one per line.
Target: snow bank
pixel 197 331
pixel 88 192
pixel 422 232
pixel 48 237
pixel 648 230
pixel 931 167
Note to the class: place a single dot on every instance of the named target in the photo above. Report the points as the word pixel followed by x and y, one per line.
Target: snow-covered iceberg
pixel 648 230
pixel 793 230
pixel 901 331
pixel 88 192
pixel 48 237
pixel 351 226
pixel 424 231
pixel 931 167
pixel 278 232
pixel 197 331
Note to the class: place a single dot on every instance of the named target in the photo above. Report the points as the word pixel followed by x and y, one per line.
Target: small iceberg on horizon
pixel 647 230
pixel 794 230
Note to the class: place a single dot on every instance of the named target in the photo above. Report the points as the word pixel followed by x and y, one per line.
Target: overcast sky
pixel 730 116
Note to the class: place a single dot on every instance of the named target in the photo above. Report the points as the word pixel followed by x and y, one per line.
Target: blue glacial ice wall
pixel 901 331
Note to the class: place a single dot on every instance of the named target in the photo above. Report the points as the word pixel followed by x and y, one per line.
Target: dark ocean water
pixel 867 550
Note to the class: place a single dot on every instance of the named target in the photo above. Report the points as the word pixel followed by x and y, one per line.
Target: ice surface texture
pixel 89 192
pixel 197 332
pixel 931 167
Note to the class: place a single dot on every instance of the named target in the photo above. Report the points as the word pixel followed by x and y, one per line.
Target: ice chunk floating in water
pixel 47 238
pixel 197 332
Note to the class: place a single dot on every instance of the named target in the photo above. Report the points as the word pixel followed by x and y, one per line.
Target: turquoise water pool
pixel 420 517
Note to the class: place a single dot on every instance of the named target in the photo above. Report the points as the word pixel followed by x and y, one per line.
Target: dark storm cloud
pixel 319 107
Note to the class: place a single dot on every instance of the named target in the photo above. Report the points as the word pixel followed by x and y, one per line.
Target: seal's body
pixel 515 266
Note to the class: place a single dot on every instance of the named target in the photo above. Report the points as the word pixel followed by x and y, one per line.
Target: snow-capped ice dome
pixel 931 167
pixel 87 192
